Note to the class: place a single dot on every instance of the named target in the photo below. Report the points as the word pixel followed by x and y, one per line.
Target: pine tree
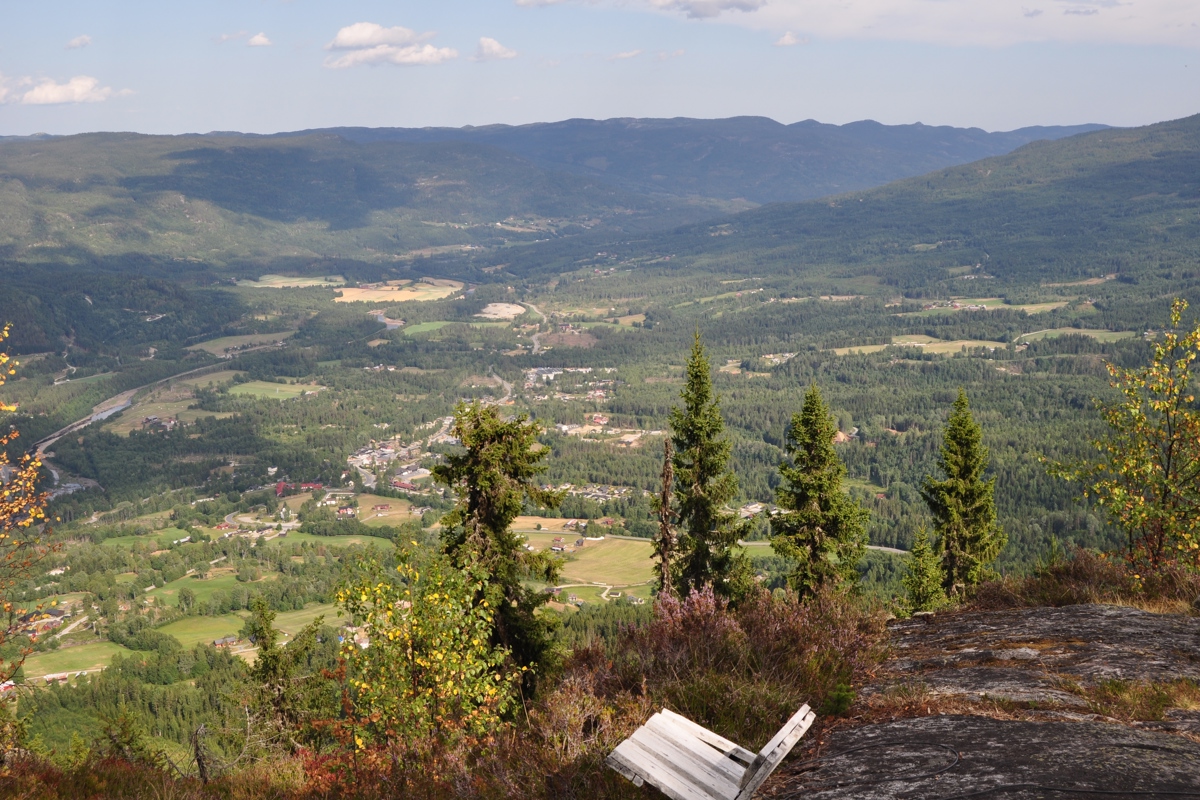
pixel 821 527
pixel 923 583
pixel 493 477
pixel 704 486
pixel 963 504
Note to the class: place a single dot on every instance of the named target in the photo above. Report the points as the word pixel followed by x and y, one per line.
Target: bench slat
pixel 707 736
pixel 657 770
pixel 702 751
pixel 684 764
pixel 775 751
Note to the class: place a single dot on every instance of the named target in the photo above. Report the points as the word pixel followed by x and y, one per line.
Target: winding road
pixel 537 344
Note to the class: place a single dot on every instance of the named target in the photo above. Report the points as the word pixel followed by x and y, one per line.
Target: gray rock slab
pixel 944 757
pixel 1089 642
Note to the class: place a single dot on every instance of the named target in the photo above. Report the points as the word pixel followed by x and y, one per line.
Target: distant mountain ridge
pixel 751 158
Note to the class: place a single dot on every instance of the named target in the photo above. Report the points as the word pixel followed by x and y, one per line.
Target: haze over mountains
pixel 381 194
pixel 751 158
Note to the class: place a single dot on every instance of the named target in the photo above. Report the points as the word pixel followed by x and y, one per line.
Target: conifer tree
pixel 704 486
pixel 493 477
pixel 963 504
pixel 923 583
pixel 821 527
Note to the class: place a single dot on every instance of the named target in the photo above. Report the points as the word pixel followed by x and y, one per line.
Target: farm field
pixel 337 541
pixel 291 282
pixel 210 379
pixel 614 562
pixel 131 419
pixel 162 538
pixel 400 292
pixel 73 659
pixel 988 303
pixel 397 514
pixel 926 343
pixel 192 631
pixel 1099 335
pixel 277 391
pixel 291 622
pixel 220 580
pixel 426 327
pixel 219 347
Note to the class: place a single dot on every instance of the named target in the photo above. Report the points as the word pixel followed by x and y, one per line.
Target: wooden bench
pixel 688 762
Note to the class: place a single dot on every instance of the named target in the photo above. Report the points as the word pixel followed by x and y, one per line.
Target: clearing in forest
pixel 276 391
pixel 292 282
pixel 400 291
pixel 1099 335
pixel 228 344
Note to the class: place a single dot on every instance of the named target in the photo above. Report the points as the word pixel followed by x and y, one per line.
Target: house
pixel 225 641
pixel 558 539
pixel 309 487
pixel 346 511
pixel 557 548
pixel 381 507
pixel 407 486
pixel 580 542
pixel 599 419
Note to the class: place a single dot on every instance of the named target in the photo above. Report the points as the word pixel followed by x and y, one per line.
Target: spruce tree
pixel 963 504
pixel 923 582
pixel 707 551
pixel 821 527
pixel 493 477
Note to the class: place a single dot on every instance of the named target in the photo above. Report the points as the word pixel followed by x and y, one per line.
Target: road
pixel 71 627
pixel 537 344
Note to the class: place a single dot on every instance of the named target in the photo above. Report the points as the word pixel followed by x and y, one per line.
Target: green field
pixel 161 538
pixel 192 631
pixel 292 282
pixel 926 343
pixel 218 347
pixel 1099 335
pixel 222 580
pixel 614 562
pixel 73 659
pixel 278 391
pixel 336 541
pixel 426 327
pixel 291 622
pixel 990 304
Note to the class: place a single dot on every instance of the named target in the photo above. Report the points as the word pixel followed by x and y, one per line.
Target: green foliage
pixel 704 486
pixel 963 504
pixel 494 477
pixel 430 673
pixel 923 582
pixel 1148 474
pixel 821 527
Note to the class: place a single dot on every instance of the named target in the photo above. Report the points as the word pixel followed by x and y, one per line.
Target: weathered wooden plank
pixel 616 762
pixel 685 765
pixel 775 751
pixel 708 737
pixel 702 751
pixel 660 773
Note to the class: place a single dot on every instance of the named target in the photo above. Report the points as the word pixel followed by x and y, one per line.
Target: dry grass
pixel 1087 577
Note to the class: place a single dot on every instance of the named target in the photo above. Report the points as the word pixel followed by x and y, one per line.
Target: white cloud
pixel 369 43
pixel 956 23
pixel 537 3
pixel 80 89
pixel 623 56
pixel 787 40
pixel 705 9
pixel 79 42
pixel 229 37
pixel 665 56
pixel 259 40
pixel 491 50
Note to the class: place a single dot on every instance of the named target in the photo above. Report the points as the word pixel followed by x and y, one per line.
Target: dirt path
pixel 536 338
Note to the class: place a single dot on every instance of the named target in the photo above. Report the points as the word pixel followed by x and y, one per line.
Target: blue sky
pixel 269 65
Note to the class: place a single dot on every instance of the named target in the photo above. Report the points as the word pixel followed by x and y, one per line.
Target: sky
pixel 69 66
